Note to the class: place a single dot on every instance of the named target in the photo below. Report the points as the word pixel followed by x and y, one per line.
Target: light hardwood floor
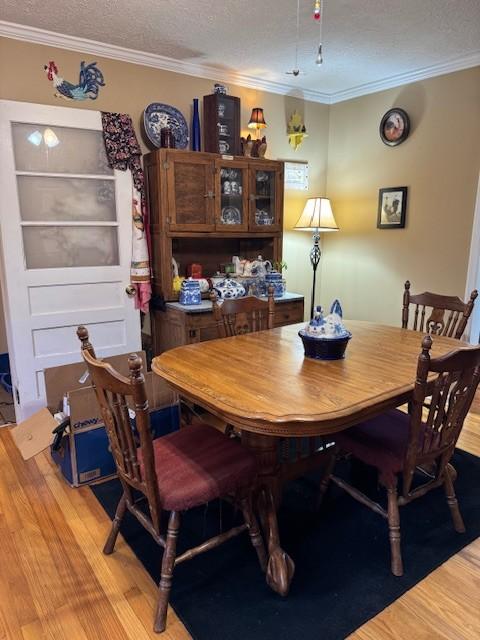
pixel 55 583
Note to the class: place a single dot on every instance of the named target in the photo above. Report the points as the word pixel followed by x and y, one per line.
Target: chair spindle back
pixel 437 314
pixel 235 317
pixel 452 391
pixel 113 391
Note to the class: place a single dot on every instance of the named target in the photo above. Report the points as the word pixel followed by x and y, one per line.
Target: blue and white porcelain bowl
pixel 324 348
pixel 190 292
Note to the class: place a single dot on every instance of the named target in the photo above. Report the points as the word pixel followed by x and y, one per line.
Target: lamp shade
pixel 257 120
pixel 317 214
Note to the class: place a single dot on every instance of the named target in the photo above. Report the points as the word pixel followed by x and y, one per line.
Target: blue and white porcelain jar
pixel 275 279
pixel 190 292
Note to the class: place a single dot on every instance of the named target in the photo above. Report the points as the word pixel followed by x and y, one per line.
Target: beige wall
pixel 130 88
pixel 366 267
pixel 363 266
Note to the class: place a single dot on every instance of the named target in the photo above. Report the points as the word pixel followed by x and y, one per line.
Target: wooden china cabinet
pixel 206 208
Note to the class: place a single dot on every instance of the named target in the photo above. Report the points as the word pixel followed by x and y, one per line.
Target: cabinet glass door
pixel 265 198
pixel 231 196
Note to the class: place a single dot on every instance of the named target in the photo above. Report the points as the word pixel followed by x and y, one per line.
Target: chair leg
pixel 325 481
pixel 394 531
pixel 117 521
pixel 254 532
pixel 452 501
pixel 168 563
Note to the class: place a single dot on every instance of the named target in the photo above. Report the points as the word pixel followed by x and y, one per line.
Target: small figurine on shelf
pixel 247 146
pixel 253 148
pixel 177 279
pixel 260 147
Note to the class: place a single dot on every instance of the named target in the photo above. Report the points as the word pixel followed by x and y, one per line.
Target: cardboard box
pixel 84 455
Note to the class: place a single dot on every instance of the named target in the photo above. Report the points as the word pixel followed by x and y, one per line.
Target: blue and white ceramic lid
pixel 330 327
pixel 273 276
pixel 191 283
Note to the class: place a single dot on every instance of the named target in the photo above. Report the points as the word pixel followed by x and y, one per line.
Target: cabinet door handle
pixel 210 195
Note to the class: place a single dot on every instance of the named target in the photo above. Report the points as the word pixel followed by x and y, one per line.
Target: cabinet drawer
pixel 288 313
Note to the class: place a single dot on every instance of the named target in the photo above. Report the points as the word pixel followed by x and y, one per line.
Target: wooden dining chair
pixel 243 315
pixel 399 444
pixel 176 472
pixel 437 314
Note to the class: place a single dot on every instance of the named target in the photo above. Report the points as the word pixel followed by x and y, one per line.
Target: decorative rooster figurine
pixel 89 82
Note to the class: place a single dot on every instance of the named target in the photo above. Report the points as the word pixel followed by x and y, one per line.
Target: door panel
pixel 48 148
pixel 66 232
pixel 44 198
pixel 190 191
pixel 61 246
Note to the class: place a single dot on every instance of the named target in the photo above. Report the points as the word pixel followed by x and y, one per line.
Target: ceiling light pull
pixel 318 15
pixel 296 71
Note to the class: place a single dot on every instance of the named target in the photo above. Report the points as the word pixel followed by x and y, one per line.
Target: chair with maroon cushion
pixel 453 326
pixel 399 444
pixel 179 471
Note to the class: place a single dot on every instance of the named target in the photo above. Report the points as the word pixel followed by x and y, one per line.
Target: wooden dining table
pixel 263 385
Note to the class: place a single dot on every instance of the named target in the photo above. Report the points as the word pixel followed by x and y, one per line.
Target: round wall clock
pixel 394 127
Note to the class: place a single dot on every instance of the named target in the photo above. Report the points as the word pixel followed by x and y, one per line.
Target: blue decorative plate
pixel 158 115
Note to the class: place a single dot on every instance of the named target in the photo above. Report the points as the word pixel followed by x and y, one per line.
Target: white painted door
pixel 66 226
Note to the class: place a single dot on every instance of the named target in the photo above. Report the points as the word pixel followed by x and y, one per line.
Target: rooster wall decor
pixel 89 82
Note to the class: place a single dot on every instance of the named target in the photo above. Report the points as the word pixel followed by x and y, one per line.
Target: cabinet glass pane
pixel 225 109
pixel 265 197
pixel 59 149
pixel 45 199
pixel 231 190
pixel 60 246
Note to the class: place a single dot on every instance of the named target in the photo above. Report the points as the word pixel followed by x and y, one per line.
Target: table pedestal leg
pixel 280 567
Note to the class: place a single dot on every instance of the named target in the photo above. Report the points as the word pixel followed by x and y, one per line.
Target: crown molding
pixel 82 45
pixel 93 47
pixel 464 62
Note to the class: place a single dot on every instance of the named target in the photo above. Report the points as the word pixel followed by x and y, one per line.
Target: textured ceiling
pixel 364 42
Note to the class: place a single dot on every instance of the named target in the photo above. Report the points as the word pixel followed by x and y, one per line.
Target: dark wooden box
pixel 221 124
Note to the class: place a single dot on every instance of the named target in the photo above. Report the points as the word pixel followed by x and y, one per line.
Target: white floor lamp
pixel 317 217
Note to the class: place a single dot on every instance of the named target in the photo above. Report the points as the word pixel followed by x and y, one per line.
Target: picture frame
pixel 394 127
pixel 392 208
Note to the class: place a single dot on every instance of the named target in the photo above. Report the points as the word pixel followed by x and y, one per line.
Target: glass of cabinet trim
pixel 264 198
pixel 231 196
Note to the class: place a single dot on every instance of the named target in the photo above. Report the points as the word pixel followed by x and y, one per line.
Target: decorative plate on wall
pixel 394 127
pixel 157 116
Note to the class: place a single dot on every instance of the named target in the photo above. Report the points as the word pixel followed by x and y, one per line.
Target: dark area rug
pixel 341 553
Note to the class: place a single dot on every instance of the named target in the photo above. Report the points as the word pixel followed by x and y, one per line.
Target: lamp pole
pixel 315 254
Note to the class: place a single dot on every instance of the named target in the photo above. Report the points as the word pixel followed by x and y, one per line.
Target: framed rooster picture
pixel 89 82
pixel 392 208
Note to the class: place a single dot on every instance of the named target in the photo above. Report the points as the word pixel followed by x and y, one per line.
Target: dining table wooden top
pixel 262 382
